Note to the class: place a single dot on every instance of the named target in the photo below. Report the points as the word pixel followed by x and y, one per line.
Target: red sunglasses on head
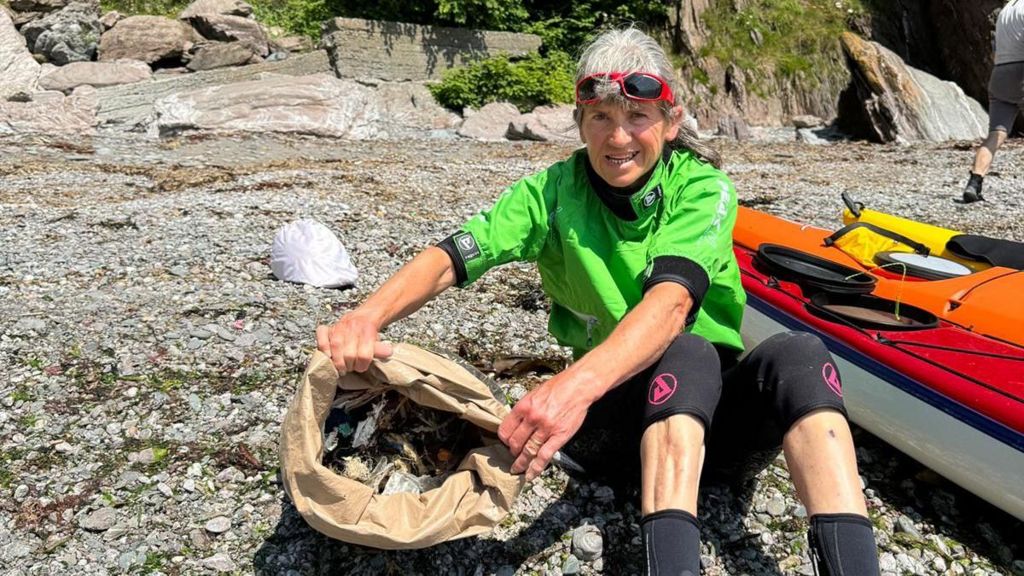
pixel 638 86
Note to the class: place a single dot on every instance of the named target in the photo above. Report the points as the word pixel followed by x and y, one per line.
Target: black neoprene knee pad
pixel 686 380
pixel 799 375
pixel 843 545
pixel 671 543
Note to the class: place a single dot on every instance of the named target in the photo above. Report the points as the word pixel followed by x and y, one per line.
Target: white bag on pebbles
pixel 307 252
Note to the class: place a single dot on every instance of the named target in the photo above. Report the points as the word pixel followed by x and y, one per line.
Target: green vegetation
pixel 22 394
pixel 301 17
pixel 169 8
pixel 8 458
pixel 154 563
pixel 27 421
pixel 529 82
pixel 796 39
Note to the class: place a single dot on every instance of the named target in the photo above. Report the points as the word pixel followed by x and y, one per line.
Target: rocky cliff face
pixel 950 39
pixel 722 94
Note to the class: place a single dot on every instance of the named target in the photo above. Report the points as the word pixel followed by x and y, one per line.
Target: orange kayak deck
pixel 989 302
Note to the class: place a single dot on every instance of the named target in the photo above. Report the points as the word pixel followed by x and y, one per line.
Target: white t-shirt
pixel 1010 33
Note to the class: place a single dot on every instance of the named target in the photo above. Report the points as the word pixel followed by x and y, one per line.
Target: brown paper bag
pixel 471 500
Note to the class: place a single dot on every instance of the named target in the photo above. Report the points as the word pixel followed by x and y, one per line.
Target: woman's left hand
pixel 544 420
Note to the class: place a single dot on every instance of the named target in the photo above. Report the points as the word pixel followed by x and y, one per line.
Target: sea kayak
pixel 940 376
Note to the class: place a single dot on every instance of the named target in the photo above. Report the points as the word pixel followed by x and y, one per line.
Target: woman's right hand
pixel 352 342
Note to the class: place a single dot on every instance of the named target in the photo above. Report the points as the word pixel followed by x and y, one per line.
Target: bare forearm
pixel 639 340
pixel 422 278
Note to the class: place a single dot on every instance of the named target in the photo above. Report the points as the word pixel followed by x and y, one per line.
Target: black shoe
pixel 972 191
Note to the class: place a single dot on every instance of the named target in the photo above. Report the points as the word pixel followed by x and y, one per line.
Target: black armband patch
pixel 681 271
pixel 460 247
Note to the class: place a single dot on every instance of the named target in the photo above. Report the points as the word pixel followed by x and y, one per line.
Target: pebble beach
pixel 147 354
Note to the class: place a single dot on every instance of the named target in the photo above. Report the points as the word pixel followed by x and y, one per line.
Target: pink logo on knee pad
pixel 662 388
pixel 831 376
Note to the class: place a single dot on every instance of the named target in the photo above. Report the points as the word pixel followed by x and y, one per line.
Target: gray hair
pixel 629 49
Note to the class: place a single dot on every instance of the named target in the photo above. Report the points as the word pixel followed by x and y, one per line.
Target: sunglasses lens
pixel 587 90
pixel 642 86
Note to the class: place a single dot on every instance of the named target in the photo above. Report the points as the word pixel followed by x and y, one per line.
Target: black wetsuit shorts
pixel 746 404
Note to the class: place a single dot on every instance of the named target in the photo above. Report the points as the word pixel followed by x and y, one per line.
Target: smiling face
pixel 623 143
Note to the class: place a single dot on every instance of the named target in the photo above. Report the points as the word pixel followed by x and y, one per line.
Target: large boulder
pixel 146 38
pixel 70 34
pixel 225 7
pixel 409 108
pixel 19 72
pixel 489 122
pixel 949 38
pixel 213 55
pixel 130 107
pixel 318 104
pixel 232 29
pixel 51 113
pixel 889 101
pixel 545 124
pixel 96 74
pixel 396 51
pixel 40 6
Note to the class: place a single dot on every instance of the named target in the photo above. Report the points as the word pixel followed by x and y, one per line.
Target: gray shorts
pixel 1005 96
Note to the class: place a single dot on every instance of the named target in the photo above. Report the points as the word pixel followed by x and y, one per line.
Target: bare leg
pixel 823 464
pixel 672 453
pixel 987 152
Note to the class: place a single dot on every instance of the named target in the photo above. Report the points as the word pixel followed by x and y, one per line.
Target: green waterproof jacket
pixel 595 266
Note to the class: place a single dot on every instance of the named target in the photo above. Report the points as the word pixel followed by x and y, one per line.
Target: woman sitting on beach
pixel 632 236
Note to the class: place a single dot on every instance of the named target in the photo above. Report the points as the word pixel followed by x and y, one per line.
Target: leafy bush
pixel 527 83
pixel 294 16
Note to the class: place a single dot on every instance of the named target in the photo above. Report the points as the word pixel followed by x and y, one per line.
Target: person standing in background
pixel 1005 92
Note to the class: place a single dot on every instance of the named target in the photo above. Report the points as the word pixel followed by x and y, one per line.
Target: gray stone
pixel 490 122
pixel 218 525
pixel 587 542
pixel 806 121
pixel 131 106
pixel 99 520
pixel 319 105
pixel 220 562
pixel 225 7
pixel 44 6
pixel 396 51
pixel 232 29
pixel 19 72
pixel 68 35
pixel 20 493
pixel 906 526
pixel 51 113
pixel 27 325
pixel 894 102
pixel 96 74
pixel 293 44
pixel 571 565
pixel 219 54
pixel 111 18
pixel 146 38
pixel 733 127
pixel 545 124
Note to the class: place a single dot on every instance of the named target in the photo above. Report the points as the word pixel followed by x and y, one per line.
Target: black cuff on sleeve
pixel 448 245
pixel 681 271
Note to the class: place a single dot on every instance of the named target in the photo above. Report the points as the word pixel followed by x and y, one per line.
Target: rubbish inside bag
pixel 393 444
